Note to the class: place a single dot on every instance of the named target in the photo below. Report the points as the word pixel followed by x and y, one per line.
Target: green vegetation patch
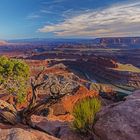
pixel 84 114
pixel 14 75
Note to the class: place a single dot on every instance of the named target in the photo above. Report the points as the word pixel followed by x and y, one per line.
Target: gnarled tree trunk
pixel 8 112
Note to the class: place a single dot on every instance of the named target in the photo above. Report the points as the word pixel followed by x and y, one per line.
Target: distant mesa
pixel 2 42
pixel 115 42
pixel 10 43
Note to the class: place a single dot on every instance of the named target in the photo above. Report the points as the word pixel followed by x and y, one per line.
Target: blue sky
pixel 69 18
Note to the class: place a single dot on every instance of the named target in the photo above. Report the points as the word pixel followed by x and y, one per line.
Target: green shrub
pixel 84 114
pixel 14 76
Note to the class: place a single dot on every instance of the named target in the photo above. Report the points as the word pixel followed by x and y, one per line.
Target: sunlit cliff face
pixel 3 42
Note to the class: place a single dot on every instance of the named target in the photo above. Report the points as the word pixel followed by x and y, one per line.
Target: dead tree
pixel 10 114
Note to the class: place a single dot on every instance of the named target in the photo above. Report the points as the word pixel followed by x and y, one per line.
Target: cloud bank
pixel 119 20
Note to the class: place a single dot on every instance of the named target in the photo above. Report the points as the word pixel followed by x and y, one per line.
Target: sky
pixel 69 18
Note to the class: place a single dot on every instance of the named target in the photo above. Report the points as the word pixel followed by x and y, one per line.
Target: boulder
pixel 58 109
pixel 21 134
pixel 51 127
pixel 8 112
pixel 59 129
pixel 42 136
pixel 120 121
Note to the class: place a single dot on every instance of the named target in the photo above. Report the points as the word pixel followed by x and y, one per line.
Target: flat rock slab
pixel 24 134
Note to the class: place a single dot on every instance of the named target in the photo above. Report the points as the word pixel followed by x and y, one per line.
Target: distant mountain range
pixel 110 42
pixel 128 42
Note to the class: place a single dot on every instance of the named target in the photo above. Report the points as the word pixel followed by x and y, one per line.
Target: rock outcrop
pixel 2 42
pixel 59 129
pixel 70 101
pixel 120 42
pixel 65 106
pixel 120 121
pixel 21 134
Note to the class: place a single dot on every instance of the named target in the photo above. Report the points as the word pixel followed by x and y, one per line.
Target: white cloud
pixel 119 20
pixel 33 16
pixel 53 2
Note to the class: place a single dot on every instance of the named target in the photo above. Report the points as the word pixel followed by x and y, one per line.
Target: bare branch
pixel 39 74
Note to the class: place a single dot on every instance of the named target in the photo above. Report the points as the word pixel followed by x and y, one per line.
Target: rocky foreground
pixel 120 121
pixel 117 121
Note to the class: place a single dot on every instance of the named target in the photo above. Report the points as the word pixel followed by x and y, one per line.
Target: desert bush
pixel 84 114
pixel 14 75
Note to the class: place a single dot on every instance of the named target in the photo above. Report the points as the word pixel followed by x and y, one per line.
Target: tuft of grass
pixel 84 114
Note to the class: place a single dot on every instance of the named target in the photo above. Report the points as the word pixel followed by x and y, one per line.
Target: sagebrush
pixel 84 114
